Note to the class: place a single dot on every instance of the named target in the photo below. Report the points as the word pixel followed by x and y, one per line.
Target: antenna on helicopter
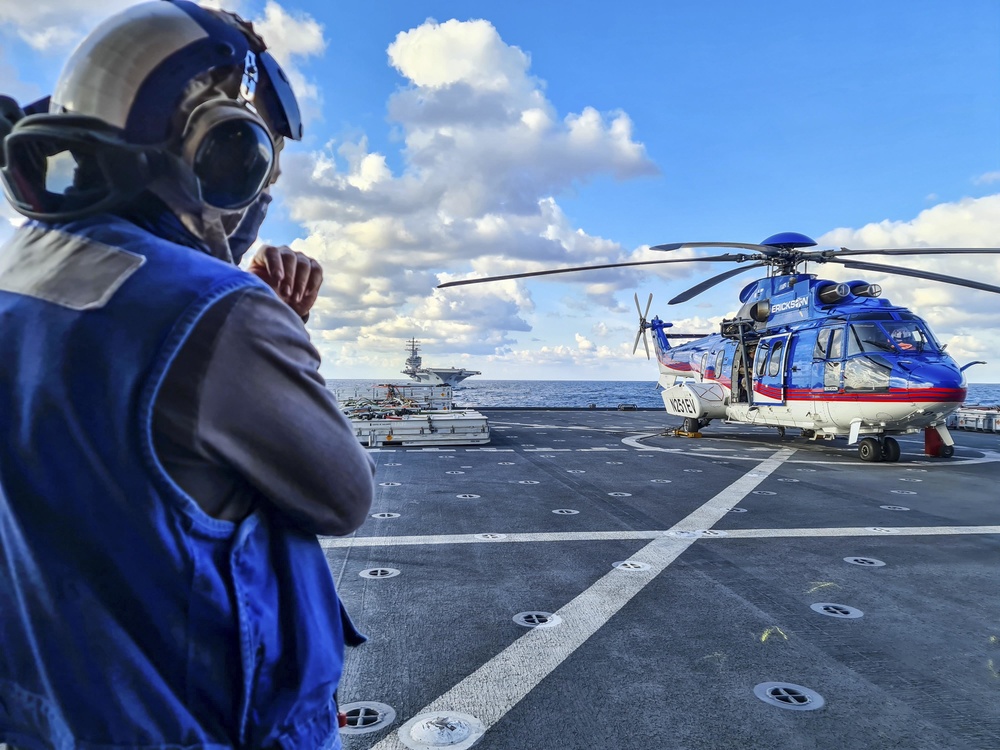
pixel 643 325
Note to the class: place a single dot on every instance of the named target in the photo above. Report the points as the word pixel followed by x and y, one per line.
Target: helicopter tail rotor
pixel 643 325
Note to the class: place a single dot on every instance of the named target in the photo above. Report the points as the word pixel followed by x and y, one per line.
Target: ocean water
pixel 576 394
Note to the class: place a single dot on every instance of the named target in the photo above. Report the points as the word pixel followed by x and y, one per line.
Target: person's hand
pixel 295 277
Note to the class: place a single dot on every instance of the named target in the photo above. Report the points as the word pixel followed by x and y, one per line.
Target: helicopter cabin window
pixel 704 363
pixel 829 344
pixel 867 337
pixel 762 352
pixel 774 363
pixel 718 363
pixel 906 337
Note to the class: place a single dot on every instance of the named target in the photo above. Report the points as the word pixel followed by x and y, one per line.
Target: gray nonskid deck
pixel 666 652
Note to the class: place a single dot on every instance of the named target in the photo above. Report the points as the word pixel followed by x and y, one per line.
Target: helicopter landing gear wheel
pixel 890 450
pixel 947 451
pixel 690 425
pixel 781 432
pixel 869 450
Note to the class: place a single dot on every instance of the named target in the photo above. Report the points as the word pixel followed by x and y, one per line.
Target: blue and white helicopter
pixel 829 358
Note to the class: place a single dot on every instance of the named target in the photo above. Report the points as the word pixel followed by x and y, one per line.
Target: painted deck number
pixel 683 405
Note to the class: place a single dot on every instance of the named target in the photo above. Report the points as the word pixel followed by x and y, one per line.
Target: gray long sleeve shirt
pixel 244 417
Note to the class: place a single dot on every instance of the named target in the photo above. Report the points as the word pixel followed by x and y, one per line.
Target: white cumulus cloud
pixel 485 156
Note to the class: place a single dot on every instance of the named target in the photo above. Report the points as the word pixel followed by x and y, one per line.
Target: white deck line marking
pixel 852 531
pixel 850 457
pixel 499 684
pixel 407 541
pixel 610 536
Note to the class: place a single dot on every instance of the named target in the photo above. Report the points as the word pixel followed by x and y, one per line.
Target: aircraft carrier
pixel 590 580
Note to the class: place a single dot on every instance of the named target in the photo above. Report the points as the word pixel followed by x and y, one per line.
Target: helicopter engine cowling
pixel 831 294
pixel 864 289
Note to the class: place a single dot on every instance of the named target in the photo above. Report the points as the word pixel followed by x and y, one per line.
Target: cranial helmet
pixel 163 93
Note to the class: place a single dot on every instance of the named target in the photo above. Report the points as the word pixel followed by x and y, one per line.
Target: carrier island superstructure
pixel 432 375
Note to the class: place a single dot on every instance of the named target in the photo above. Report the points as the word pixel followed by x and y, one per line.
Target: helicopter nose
pixel 937 382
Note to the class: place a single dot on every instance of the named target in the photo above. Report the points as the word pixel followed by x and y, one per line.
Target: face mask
pixel 245 233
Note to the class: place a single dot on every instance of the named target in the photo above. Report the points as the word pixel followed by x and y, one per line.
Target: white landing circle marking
pixel 630 565
pixel 454 472
pixel 565 512
pixel 634 441
pixel 385 515
pixel 388 484
pixel 661 481
pixel 527 481
pixel 613 463
pixel 576 471
pixel 505 463
pixel 468 497
pixel 392 464
pixel 619 494
pixel 693 471
pixel 893 507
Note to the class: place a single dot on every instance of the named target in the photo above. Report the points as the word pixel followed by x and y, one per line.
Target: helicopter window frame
pixel 822 342
pixel 776 358
pixel 836 350
pixel 868 338
pixel 762 354
pixel 829 343
pixel 719 363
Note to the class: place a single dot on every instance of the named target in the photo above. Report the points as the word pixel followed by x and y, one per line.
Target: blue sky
pixel 450 137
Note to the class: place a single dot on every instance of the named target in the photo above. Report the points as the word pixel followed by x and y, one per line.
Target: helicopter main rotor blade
pixel 820 255
pixel 741 245
pixel 709 283
pixel 648 303
pixel 917 274
pixel 636 344
pixel 529 274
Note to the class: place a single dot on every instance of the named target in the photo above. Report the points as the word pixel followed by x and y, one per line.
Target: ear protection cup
pixel 230 151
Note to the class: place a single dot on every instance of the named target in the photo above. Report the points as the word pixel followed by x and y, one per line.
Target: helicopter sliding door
pixel 770 370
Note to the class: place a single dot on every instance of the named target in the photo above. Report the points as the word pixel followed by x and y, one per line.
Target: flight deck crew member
pixel 168 449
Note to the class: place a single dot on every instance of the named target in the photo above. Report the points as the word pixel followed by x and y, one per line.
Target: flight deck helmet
pixel 164 89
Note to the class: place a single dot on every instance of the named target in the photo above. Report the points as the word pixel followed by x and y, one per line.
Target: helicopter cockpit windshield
pixel 894 336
